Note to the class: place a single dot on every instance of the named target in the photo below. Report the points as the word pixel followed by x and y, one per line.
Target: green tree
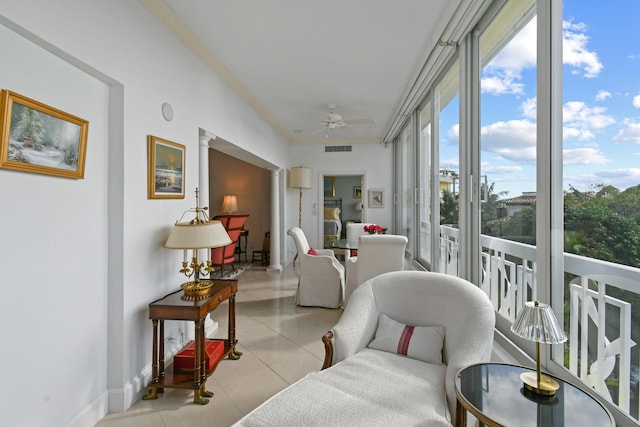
pixel 449 208
pixel 626 203
pixel 599 232
pixel 29 126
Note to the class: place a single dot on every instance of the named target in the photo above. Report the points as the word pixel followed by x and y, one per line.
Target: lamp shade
pixel 299 177
pixel 359 206
pixel 185 235
pixel 537 322
pixel 230 204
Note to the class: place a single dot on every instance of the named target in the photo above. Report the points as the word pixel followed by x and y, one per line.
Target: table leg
pixel 152 394
pixel 461 415
pixel 198 364
pixel 231 333
pixel 161 355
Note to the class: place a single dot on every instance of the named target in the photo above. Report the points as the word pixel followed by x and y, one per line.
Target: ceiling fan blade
pixel 360 121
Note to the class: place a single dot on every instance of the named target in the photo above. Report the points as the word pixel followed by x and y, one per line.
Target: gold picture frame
pixel 329 186
pixel 165 168
pixel 357 192
pixel 38 138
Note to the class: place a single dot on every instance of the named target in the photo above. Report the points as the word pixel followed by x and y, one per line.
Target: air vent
pixel 336 148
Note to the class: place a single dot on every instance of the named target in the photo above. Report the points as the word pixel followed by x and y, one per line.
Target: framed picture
pixel 166 164
pixel 376 198
pixel 329 186
pixel 357 192
pixel 41 139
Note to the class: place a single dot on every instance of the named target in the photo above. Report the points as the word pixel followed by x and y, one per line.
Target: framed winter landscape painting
pixel 166 161
pixel 41 139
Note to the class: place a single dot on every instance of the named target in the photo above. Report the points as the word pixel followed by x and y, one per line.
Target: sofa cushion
pixel 369 388
pixel 312 251
pixel 418 342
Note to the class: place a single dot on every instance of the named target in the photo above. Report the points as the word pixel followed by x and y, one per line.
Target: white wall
pixel 373 161
pixel 82 259
pixel 53 254
pixel 89 252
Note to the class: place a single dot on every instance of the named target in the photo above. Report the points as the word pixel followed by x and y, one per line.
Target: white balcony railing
pixel 598 296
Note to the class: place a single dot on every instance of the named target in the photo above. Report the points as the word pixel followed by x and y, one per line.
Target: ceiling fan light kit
pixel 334 121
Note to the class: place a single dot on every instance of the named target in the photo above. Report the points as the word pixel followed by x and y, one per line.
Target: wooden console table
pixel 173 307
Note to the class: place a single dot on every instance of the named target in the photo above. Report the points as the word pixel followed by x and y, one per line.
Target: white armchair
pixel 321 282
pixel 377 254
pixel 354 231
pixel 419 298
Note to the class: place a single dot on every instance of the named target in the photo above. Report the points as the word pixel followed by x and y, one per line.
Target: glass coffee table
pixel 342 244
pixel 493 393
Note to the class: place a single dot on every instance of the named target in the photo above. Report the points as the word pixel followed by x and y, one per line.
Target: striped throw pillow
pixel 417 342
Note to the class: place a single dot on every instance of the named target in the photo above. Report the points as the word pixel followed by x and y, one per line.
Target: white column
pixel 210 325
pixel 274 250
pixel 203 174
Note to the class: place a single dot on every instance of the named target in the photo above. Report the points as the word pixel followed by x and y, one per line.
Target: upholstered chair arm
pixel 357 325
pixel 327 252
pixel 474 347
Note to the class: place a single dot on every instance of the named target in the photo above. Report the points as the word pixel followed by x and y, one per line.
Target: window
pixel 601 185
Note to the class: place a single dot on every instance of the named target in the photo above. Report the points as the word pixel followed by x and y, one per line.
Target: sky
pixel 601 103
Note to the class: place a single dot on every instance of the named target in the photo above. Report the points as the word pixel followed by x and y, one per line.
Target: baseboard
pixel 93 413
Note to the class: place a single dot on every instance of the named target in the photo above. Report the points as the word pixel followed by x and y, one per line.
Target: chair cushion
pixel 417 342
pixel 312 251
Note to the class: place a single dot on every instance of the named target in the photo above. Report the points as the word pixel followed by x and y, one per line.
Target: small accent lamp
pixel 198 233
pixel 230 204
pixel 537 322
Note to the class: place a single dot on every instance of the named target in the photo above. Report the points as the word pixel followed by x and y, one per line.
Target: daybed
pixel 364 382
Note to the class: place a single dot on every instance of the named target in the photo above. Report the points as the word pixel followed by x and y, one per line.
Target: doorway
pixel 345 191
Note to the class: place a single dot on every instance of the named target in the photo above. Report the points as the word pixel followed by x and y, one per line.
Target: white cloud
pixel 451 164
pixel 583 156
pixel 578 114
pixel 500 170
pixel 520 53
pixel 630 133
pixel 575 52
pixel 581 134
pixel 529 108
pixel 513 140
pixel 500 85
pixel 620 178
pixel 636 101
pixel 502 74
pixel 602 95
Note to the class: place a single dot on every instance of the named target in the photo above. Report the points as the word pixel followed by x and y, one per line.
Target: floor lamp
pixel 300 178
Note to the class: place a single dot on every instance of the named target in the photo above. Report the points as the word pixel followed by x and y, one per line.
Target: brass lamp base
pixel 546 387
pixel 196 290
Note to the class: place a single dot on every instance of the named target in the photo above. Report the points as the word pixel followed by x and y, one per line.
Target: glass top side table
pixel 494 393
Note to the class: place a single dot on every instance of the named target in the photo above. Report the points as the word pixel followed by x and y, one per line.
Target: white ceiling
pixel 290 59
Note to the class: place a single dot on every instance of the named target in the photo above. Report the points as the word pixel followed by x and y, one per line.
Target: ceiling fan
pixel 334 120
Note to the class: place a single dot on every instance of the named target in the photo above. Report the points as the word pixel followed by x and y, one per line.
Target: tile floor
pixel 280 342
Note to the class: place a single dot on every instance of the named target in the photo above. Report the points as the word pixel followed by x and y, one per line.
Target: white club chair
pixel 354 231
pixel 321 282
pixel 419 298
pixel 377 254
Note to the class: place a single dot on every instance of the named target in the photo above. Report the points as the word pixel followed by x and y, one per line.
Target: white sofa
pixel 364 386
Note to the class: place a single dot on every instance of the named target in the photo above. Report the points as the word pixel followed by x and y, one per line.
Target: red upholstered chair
pixel 225 255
